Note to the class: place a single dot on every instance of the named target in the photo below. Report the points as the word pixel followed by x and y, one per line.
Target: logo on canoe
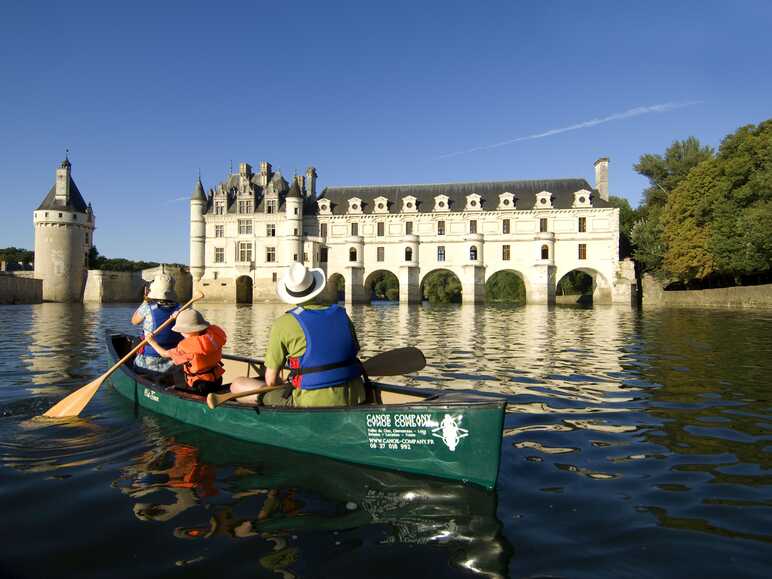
pixel 450 432
pixel 150 394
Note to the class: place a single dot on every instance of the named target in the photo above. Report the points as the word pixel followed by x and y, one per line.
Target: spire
pixel 66 163
pixel 294 190
pixel 198 190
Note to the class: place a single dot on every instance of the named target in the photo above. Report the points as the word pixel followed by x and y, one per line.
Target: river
pixel 636 444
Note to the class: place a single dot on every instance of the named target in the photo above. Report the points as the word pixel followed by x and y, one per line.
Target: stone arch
pixel 374 277
pixel 335 290
pixel 244 289
pixel 599 292
pixel 453 296
pixel 493 290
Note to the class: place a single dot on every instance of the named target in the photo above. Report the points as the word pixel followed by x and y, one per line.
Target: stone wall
pixel 20 289
pixel 113 286
pixel 756 296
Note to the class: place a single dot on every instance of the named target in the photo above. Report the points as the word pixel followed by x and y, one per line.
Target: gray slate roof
pixel 231 184
pixel 76 202
pixel 524 191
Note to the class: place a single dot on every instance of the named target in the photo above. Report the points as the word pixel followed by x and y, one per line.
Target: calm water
pixel 637 444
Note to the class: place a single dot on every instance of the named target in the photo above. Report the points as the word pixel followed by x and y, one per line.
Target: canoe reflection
pixel 236 490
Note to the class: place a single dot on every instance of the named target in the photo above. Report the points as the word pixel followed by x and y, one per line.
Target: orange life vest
pixel 206 349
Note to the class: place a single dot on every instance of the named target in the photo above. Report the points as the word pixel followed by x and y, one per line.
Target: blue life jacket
pixel 330 358
pixel 166 338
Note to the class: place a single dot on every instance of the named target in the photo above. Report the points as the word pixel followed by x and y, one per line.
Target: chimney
pixel 63 182
pixel 245 169
pixel 265 173
pixel 601 177
pixel 311 183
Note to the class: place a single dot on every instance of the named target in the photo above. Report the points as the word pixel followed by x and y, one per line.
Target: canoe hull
pixel 451 436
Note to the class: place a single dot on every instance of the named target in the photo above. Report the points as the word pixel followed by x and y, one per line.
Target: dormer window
pixel 409 204
pixel 506 201
pixel 380 205
pixel 441 203
pixel 543 200
pixel 324 206
pixel 355 205
pixel 473 202
pixel 582 198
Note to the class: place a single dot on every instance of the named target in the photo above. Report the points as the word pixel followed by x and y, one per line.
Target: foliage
pixel 384 285
pixel 97 261
pixel 719 218
pixel 665 173
pixel 627 218
pixel 505 287
pixel 17 254
pixel 575 283
pixel 442 287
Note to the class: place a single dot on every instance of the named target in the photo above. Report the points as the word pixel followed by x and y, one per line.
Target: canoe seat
pixel 399 398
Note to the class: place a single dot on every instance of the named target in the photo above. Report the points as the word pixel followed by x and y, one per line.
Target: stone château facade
pixel 64 227
pixel 245 231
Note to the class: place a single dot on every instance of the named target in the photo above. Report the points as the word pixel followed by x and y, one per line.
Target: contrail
pixel 635 112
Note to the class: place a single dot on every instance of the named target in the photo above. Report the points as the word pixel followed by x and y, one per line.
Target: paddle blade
pixel 395 362
pixel 74 404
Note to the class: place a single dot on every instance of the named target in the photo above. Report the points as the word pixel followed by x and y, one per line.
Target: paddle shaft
pixel 214 400
pixel 75 402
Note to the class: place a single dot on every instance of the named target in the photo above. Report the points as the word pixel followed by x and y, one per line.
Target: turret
pixel 197 231
pixel 601 177
pixel 294 210
pixel 64 226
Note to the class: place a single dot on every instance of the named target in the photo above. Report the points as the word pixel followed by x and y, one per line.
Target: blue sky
pixel 144 94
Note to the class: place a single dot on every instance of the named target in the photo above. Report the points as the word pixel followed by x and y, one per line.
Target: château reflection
pixel 204 486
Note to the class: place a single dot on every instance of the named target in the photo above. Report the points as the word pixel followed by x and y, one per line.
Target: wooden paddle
pixel 391 363
pixel 73 404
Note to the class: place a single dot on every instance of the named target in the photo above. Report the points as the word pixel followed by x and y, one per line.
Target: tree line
pixel 95 260
pixel 705 219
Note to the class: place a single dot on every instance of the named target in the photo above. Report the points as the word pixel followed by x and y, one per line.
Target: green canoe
pixel 449 434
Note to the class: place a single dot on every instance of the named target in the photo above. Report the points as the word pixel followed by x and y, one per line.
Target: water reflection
pixel 303 506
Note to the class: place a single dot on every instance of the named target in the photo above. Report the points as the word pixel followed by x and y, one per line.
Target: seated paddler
pixel 314 344
pixel 159 305
pixel 198 357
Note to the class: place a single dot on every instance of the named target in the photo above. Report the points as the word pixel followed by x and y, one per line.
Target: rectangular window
pixel 582 251
pixel 305 257
pixel 355 229
pixel 505 252
pixel 296 210
pixel 245 206
pixel 270 254
pixel 270 206
pixel 322 230
pixel 408 227
pixel 473 226
pixel 380 253
pixel 219 231
pixel 440 228
pixel 245 251
pixel 543 224
pixel 219 255
pixel 380 229
pixel 274 277
pixel 441 253
pixel 505 226
pixel 270 230
pixel 219 208
pixel 245 227
pixel 323 255
pixel 582 224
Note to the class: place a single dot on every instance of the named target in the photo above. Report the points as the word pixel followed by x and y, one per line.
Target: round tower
pixel 197 232
pixel 294 237
pixel 64 227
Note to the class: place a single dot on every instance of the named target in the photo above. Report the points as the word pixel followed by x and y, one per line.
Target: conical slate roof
pixel 74 203
pixel 294 190
pixel 198 191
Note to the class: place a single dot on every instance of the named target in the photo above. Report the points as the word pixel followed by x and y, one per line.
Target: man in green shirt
pixel 330 374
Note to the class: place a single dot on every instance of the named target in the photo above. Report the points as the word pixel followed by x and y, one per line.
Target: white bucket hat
pixel 300 284
pixel 162 288
pixel 189 321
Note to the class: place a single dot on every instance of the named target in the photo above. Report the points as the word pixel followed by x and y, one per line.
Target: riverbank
pixel 757 296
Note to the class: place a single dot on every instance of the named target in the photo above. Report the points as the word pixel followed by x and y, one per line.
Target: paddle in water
pixel 392 363
pixel 74 404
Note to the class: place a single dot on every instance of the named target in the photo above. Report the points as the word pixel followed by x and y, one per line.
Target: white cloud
pixel 634 112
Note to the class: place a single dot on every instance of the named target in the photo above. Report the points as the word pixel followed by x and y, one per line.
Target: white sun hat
pixel 300 284
pixel 162 288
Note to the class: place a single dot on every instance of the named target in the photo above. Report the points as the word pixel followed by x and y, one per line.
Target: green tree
pixel 505 287
pixel 17 254
pixel 575 283
pixel 384 285
pixel 442 287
